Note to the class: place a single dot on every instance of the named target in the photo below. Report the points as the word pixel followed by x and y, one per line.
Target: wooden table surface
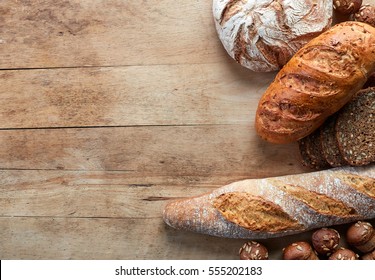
pixel 110 108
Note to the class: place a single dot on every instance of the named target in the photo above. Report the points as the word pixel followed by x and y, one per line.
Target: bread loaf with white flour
pixel 263 35
pixel 279 206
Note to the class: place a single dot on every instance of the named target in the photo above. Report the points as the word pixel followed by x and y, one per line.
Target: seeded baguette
pixel 278 206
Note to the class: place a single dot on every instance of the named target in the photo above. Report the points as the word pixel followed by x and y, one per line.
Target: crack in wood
pixel 141 185
pixel 160 198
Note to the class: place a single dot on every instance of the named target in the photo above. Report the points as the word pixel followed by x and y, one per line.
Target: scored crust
pixel 316 82
pixel 264 35
pixel 352 187
pixel 254 213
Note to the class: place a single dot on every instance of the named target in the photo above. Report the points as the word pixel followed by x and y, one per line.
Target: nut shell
pixel 347 7
pixel 343 254
pixel 365 14
pixel 299 251
pixel 369 256
pixel 325 240
pixel 361 235
pixel 253 251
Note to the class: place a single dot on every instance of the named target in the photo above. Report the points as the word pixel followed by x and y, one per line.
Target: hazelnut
pixel 361 235
pixel 325 240
pixel 253 251
pixel 343 254
pixel 365 14
pixel 347 7
pixel 369 256
pixel 299 251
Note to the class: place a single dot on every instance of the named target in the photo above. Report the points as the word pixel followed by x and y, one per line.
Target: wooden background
pixel 108 109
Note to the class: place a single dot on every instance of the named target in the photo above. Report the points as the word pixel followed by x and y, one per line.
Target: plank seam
pixel 104 66
pixel 72 217
pixel 117 126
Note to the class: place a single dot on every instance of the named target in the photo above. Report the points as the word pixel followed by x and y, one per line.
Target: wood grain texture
pixel 139 95
pixel 94 194
pixel 168 150
pixel 100 194
pixel 66 33
pixel 108 108
pixel 94 238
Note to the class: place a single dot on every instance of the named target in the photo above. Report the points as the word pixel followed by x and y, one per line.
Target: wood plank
pixel 168 150
pixel 100 194
pixel 80 238
pixel 66 33
pixel 144 95
pixel 169 115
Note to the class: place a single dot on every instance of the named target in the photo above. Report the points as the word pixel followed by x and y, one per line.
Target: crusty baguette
pixel 317 81
pixel 278 206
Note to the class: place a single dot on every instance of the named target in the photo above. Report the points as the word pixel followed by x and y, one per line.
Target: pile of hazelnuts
pixel 355 10
pixel 325 244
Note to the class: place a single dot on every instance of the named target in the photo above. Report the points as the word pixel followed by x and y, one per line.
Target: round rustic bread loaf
pixel 263 35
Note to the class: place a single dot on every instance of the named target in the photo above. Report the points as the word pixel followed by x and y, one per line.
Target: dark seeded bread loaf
pixel 330 148
pixel 355 129
pixel 346 138
pixel 313 156
pixel 305 158
pixel 279 206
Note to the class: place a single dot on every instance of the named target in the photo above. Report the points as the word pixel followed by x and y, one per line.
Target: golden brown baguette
pixel 317 81
pixel 278 206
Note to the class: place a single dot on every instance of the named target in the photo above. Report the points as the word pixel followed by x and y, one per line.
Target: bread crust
pixel 352 187
pixel 318 80
pixel 263 35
